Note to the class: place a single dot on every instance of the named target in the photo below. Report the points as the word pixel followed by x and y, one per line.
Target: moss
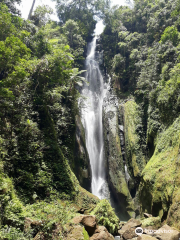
pixel 86 200
pixel 161 175
pixel 135 158
pixel 86 236
pixel 106 216
pixel 115 165
pixel 80 161
pixel 11 207
pixel 152 221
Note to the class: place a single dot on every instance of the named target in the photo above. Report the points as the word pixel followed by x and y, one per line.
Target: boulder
pixel 151 223
pixel 121 224
pixel 88 221
pixel 76 233
pixel 129 234
pixel 167 233
pixel 101 233
pixel 132 223
pixel 146 237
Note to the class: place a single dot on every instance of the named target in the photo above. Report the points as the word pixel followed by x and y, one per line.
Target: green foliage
pixel 170 33
pixel 12 233
pixel 86 236
pixel 82 12
pixel 11 5
pixel 11 208
pixel 161 174
pixel 169 96
pixel 106 216
pixel 41 15
pixel 50 216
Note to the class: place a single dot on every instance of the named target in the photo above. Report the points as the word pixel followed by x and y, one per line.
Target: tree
pixel 11 5
pixel 83 12
pixel 41 15
pixel 31 10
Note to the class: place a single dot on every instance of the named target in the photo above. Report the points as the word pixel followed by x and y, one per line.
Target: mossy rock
pixel 134 155
pixel 154 222
pixel 159 189
pixel 116 172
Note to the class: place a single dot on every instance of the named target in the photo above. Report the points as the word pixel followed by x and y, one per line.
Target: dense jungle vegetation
pixel 141 48
pixel 141 52
pixel 41 62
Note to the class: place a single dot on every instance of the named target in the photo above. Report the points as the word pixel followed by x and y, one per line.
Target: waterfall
pixel 92 121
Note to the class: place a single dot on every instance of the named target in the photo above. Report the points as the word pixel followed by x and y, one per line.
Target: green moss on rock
pixel 115 165
pixel 135 158
pixel 160 184
pixel 151 221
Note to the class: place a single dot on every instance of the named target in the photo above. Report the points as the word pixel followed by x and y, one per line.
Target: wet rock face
pixel 134 155
pixel 114 141
pixel 81 164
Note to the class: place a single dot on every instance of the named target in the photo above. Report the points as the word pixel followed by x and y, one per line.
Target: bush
pixel 106 216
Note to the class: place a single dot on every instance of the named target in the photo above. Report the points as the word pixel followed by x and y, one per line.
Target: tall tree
pixel 31 10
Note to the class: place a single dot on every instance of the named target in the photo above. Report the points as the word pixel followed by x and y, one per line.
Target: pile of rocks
pixel 129 231
pixel 89 223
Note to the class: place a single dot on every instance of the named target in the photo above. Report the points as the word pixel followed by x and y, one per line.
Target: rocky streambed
pixel 149 228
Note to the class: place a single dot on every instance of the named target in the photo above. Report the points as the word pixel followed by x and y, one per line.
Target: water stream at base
pixel 92 121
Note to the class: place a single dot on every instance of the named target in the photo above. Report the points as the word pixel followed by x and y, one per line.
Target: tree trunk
pixel 31 10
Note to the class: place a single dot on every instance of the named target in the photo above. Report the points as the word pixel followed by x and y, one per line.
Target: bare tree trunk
pixel 31 10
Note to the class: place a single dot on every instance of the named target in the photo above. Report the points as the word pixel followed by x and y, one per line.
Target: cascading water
pixel 92 120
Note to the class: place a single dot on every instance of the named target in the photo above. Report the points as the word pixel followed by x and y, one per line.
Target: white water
pixel 92 120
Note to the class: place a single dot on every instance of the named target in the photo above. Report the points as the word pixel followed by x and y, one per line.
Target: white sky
pixel 26 5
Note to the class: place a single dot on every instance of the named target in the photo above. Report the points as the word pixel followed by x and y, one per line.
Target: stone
pixel 88 221
pixel 101 233
pixel 151 223
pixel 167 233
pixel 117 238
pixel 77 219
pixel 146 237
pixel 121 224
pixel 131 224
pixel 76 233
pixel 129 234
pixel 147 215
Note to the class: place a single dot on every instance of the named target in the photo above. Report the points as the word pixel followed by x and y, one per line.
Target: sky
pixel 26 5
